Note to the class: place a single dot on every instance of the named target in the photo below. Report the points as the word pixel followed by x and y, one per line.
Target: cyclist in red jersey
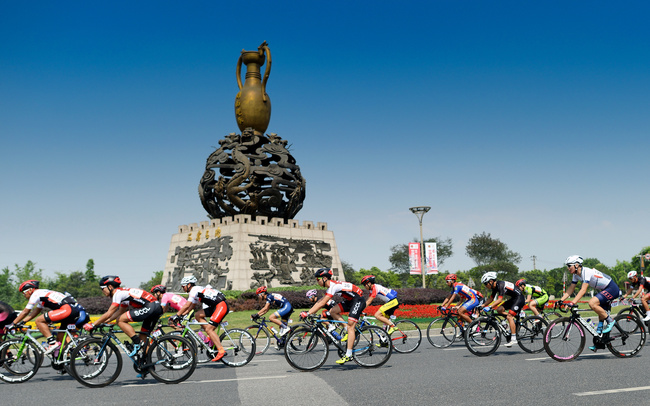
pixel 128 306
pixel 352 302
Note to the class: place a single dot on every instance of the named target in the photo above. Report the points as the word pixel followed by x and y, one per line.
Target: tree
pixel 484 249
pixel 348 271
pixel 10 281
pixel 90 271
pixel 399 257
pixel 155 280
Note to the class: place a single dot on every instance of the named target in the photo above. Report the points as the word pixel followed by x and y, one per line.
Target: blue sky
pixel 527 120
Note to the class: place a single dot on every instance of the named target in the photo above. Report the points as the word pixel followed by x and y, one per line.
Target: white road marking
pixel 604 392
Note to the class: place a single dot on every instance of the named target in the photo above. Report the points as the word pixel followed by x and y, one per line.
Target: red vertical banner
pixel 415 258
pixel 431 257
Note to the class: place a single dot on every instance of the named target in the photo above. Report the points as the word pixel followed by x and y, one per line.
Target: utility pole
pixel 534 258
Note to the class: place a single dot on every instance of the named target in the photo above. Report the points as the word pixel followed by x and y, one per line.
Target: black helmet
pixel 368 278
pixel 32 283
pixel 323 273
pixel 159 288
pixel 110 280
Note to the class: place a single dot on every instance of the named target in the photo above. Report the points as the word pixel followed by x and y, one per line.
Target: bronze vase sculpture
pixel 252 104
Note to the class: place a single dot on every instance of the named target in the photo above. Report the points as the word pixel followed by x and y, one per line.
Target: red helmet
pixel 159 288
pixel 451 277
pixel 520 282
pixel 368 278
pixel 110 280
pixel 28 285
pixel 261 289
pixel 324 273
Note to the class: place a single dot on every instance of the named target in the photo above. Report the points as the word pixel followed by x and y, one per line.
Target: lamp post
pixel 419 212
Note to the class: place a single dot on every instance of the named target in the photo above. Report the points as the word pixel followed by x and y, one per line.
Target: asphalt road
pixel 427 376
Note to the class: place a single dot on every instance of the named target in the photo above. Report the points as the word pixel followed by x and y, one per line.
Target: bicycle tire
pixel 95 364
pixel 306 348
pixel 564 339
pixel 442 332
pixel 21 368
pixel 407 336
pixel 530 335
pixel 261 336
pixel 172 358
pixel 482 337
pixel 373 348
pixel 239 345
pixel 628 336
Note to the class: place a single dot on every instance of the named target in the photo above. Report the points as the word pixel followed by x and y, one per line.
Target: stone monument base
pixel 242 252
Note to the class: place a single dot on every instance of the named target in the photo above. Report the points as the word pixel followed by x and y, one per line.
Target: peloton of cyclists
pixel 280 316
pixel 641 284
pixel 471 296
pixel 536 297
pixel 514 303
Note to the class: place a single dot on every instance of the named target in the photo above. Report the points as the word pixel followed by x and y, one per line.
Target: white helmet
pixel 311 293
pixel 631 274
pixel 573 259
pixel 488 276
pixel 187 280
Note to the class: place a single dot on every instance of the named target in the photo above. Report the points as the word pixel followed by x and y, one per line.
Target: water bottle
pixel 591 323
pixel 203 337
pixel 274 330
pixel 336 335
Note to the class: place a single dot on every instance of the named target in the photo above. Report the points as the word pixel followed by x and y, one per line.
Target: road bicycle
pixel 445 330
pixel 634 306
pixel 307 345
pixel 263 334
pixel 407 335
pixel 565 337
pixel 483 335
pixel 238 343
pixel 97 362
pixel 22 355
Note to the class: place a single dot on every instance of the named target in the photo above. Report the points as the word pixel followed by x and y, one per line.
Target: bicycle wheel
pixel 95 363
pixel 482 337
pixel 442 332
pixel 407 336
pixel 239 345
pixel 564 340
pixel 262 338
pixel 373 348
pixel 171 359
pixel 19 361
pixel 530 335
pixel 627 337
pixel 306 348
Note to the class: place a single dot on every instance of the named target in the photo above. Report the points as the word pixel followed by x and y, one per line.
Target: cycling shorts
pixel 608 294
pixel 470 304
pixel 217 313
pixel 354 307
pixel 285 311
pixel 540 301
pixel 514 304
pixel 388 308
pixel 147 314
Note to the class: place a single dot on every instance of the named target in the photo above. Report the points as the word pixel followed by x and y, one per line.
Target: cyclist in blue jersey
pixel 472 297
pixel 279 317
pixel 386 295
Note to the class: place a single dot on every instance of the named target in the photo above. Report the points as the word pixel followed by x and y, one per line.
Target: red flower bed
pixel 409 311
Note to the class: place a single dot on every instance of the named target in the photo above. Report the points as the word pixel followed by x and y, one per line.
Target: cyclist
pixel 63 309
pixel 497 300
pixel 531 291
pixel 7 316
pixel 279 317
pixel 168 300
pixel 128 306
pixel 472 297
pixel 352 302
pixel 601 303
pixel 215 308
pixel 640 283
pixel 313 298
pixel 388 296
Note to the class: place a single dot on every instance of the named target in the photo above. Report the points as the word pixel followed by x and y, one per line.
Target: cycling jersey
pixel 463 290
pixel 506 289
pixel 347 290
pixel 7 314
pixel 49 298
pixel 382 293
pixel 641 281
pixel 285 308
pixel 208 296
pixel 593 277
pixel 133 297
pixel 534 291
pixel 173 300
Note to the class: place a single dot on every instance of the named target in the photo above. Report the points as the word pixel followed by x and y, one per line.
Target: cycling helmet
pixel 488 276
pixel 520 282
pixel 110 280
pixel 451 277
pixel 28 285
pixel 188 279
pixel 323 273
pixel 261 289
pixel 159 288
pixel 573 260
pixel 631 274
pixel 311 293
pixel 368 278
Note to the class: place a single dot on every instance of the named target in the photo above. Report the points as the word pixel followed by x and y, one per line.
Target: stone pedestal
pixel 241 253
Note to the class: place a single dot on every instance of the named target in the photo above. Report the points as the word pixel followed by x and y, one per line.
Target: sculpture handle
pixel 265 48
pixel 239 73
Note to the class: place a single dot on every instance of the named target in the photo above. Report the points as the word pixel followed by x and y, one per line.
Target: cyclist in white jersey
pixel 607 291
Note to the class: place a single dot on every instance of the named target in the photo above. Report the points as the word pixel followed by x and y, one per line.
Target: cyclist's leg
pixel 384 312
pixel 216 315
pixel 466 309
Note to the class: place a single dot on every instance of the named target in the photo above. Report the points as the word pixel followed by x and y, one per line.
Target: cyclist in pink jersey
pixel 168 300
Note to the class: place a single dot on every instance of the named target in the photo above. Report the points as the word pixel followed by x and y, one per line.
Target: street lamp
pixel 419 212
